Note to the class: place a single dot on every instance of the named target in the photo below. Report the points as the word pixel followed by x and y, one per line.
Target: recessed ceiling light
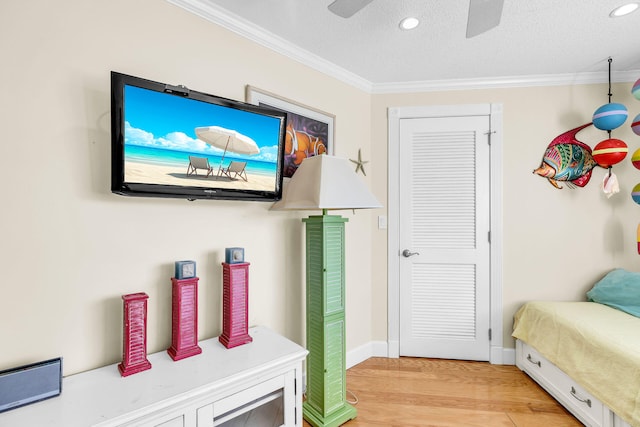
pixel 623 10
pixel 409 23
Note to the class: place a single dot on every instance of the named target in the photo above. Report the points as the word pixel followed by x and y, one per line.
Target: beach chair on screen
pixel 235 170
pixel 196 163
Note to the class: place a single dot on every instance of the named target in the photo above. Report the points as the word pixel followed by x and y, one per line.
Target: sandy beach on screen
pixel 174 175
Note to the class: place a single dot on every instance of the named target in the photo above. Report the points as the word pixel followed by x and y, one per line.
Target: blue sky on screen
pixel 160 120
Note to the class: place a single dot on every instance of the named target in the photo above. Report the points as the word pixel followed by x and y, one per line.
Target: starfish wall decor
pixel 360 163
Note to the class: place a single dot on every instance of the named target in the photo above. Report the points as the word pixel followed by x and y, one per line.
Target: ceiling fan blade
pixel 347 8
pixel 483 16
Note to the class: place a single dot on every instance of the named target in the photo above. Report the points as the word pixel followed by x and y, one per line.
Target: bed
pixel 585 354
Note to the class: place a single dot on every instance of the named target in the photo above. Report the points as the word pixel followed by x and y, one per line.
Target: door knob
pixel 407 253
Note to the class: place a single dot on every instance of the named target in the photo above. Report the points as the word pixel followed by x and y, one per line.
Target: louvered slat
pixel 443 189
pixel 435 312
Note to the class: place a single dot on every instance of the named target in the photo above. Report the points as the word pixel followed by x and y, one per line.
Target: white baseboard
pixel 499 355
pixel 503 356
pixel 366 351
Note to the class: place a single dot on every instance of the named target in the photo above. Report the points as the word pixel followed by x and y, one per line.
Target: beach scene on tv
pixel 172 140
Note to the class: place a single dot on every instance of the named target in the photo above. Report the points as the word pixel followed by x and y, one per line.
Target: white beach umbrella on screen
pixel 227 140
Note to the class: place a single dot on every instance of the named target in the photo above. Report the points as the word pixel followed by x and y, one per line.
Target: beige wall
pixel 556 243
pixel 70 248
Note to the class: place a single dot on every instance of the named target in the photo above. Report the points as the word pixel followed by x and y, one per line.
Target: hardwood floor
pixel 411 392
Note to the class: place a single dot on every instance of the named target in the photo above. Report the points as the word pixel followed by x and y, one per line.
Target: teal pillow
pixel 618 289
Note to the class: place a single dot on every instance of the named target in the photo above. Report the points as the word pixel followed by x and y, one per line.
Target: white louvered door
pixel 444 220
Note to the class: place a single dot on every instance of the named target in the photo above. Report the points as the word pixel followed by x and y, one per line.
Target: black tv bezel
pixel 121 187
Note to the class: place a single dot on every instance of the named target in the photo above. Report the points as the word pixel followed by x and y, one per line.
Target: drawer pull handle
pixel 574 394
pixel 535 362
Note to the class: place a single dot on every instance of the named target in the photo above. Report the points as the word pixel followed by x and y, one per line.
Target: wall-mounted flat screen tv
pixel 170 141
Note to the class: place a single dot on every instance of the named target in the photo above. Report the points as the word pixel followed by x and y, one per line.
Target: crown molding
pixel 506 82
pixel 222 17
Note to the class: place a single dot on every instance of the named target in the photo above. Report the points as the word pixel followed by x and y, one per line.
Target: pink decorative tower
pixel 184 329
pixel 134 348
pixel 235 302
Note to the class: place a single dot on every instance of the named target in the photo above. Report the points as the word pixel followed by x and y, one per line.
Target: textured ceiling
pixel 535 39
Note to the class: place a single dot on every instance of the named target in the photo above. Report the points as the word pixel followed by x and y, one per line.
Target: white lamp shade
pixel 326 182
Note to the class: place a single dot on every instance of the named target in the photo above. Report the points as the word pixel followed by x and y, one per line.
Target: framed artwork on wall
pixel 309 131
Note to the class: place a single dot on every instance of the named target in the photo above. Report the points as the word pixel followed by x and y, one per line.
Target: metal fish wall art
pixel 567 159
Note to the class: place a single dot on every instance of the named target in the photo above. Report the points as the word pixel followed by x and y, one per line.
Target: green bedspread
pixel 596 345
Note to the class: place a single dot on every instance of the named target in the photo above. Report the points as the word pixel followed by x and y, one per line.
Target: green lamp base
pixel 326 405
pixel 336 418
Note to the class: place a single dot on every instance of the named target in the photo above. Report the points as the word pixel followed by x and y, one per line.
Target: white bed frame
pixel 584 406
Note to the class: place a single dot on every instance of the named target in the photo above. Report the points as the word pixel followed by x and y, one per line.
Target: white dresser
pixel 206 390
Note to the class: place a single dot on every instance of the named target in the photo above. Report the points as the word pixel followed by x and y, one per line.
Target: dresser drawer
pixel 581 403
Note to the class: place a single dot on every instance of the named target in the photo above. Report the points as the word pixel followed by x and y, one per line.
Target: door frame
pixel 394 115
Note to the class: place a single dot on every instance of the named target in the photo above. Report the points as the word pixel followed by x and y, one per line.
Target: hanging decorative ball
pixel 610 116
pixel 635 159
pixel 635 194
pixel 609 152
pixel 635 90
pixel 635 125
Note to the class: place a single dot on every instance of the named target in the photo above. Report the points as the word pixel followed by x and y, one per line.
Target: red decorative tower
pixel 235 302
pixel 184 328
pixel 134 348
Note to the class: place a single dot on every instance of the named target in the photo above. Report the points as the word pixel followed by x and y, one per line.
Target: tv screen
pixel 170 141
